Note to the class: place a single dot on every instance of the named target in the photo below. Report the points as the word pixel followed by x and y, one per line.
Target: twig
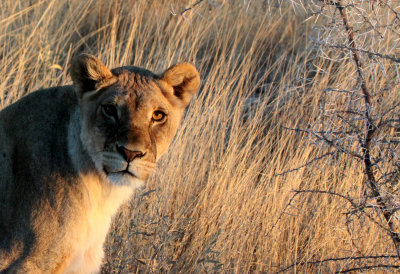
pixel 289 203
pixel 340 259
pixel 327 192
pixel 368 267
pixel 306 164
pixel 323 138
pixel 347 198
pixel 191 7
pixel 371 53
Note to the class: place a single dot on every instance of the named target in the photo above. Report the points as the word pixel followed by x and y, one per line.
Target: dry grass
pixel 218 201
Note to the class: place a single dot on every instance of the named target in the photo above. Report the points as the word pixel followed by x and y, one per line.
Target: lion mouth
pixel 135 171
pixel 127 172
pixel 121 172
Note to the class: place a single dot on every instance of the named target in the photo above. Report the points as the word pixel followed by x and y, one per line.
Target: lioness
pixel 71 155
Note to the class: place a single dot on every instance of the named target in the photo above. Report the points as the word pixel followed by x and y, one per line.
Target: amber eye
pixel 110 111
pixel 159 116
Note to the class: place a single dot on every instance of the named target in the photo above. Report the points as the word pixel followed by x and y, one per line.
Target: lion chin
pixel 125 179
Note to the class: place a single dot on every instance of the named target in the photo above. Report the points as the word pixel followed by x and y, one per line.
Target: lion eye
pixel 159 116
pixel 110 111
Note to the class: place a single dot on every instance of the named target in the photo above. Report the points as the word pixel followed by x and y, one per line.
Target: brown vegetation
pixel 265 173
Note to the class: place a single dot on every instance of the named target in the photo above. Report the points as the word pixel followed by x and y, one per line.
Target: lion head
pixel 129 115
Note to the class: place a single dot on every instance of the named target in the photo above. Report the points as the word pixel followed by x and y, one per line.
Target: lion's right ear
pixel 185 80
pixel 89 73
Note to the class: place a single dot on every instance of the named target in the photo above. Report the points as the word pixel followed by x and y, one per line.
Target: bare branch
pixel 374 266
pixel 341 259
pixel 306 164
pixel 370 53
pixel 191 7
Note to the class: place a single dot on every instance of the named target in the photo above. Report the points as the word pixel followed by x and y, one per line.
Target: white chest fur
pixel 88 232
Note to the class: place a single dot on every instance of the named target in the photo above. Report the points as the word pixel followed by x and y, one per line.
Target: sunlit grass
pixel 218 201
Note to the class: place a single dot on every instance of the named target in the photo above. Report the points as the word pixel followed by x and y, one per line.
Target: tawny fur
pixel 70 156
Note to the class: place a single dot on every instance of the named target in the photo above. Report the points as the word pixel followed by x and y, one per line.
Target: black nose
pixel 129 155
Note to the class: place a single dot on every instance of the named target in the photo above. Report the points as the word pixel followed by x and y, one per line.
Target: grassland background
pixel 217 201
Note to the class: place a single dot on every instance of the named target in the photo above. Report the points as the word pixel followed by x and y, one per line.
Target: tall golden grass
pixel 221 199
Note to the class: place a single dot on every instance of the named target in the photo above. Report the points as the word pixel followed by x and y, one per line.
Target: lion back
pixel 33 145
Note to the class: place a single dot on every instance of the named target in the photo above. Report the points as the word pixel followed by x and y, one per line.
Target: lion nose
pixel 130 155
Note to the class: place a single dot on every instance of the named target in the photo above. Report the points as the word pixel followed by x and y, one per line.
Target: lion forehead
pixel 140 92
pixel 129 80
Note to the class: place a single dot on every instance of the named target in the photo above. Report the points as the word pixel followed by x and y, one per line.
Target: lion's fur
pixel 63 174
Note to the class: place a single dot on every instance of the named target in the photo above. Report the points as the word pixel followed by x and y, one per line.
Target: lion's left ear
pixel 89 73
pixel 185 80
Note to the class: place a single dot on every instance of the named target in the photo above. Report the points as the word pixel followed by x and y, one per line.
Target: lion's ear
pixel 185 80
pixel 89 73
